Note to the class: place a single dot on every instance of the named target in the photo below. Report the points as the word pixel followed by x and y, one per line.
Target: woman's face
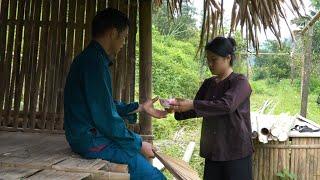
pixel 217 64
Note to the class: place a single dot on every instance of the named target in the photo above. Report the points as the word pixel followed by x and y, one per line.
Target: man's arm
pixel 103 111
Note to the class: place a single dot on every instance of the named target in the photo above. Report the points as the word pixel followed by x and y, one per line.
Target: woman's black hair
pixel 223 47
pixel 107 19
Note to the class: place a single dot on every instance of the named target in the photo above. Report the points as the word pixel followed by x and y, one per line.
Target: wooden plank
pixel 47 151
pixel 58 175
pixel 16 173
pixel 80 164
pixel 12 141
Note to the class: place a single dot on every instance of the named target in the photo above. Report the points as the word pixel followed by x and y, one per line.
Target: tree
pixel 181 26
pixel 273 66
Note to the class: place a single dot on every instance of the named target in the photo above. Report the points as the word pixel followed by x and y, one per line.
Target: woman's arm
pixel 191 113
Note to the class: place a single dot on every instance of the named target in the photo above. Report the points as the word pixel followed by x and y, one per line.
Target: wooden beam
pixel 145 73
pixel 305 73
pixel 311 23
pixel 261 53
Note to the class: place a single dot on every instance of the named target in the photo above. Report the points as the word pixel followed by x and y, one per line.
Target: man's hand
pixel 182 105
pixel 150 110
pixel 147 150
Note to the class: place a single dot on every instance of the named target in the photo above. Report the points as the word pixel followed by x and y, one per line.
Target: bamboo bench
pixel 48 156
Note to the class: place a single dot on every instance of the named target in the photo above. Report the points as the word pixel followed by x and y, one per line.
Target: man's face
pixel 118 39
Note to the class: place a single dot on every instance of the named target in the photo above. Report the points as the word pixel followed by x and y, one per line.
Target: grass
pixel 172 137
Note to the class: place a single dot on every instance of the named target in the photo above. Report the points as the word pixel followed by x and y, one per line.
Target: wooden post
pixel 130 81
pixel 145 69
pixel 305 74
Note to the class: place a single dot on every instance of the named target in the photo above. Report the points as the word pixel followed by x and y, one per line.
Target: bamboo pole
pixel 36 64
pixel 44 54
pixel 80 9
pixel 130 81
pixel 8 59
pixel 3 40
pixel 62 65
pixel 306 72
pixel 102 4
pixel 17 62
pixel 90 12
pixel 54 63
pixel 25 63
pixel 145 69
pixel 314 19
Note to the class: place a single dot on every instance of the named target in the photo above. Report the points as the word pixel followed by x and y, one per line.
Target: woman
pixel 224 103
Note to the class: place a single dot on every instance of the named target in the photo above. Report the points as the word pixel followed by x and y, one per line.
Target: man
pixel 93 121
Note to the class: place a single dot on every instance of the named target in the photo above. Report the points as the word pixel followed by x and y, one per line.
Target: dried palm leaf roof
pixel 253 16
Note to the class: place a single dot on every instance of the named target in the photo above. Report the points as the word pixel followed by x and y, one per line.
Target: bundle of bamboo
pixel 271 127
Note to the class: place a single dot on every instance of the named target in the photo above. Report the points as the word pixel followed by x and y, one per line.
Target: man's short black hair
pixel 107 19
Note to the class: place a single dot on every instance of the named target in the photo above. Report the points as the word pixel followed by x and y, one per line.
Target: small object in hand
pixel 165 103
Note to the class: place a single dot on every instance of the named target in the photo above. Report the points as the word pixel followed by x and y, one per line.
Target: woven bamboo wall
pixel 39 39
pixel 300 156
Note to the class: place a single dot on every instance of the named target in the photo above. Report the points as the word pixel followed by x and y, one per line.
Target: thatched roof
pixel 253 16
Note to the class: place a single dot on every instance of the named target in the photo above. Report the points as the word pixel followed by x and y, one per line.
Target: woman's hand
pixel 182 105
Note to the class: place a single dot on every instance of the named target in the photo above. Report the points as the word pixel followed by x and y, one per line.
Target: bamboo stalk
pixel 317 164
pixel 80 9
pixel 36 64
pixel 102 5
pixel 54 63
pixel 113 3
pixel 25 61
pixel 70 34
pixel 17 61
pixel 132 49
pixel 256 162
pixel 273 163
pixel 42 58
pixel 90 12
pixel 122 59
pixel 62 63
pixel 48 71
pixel 3 39
pixel 8 58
